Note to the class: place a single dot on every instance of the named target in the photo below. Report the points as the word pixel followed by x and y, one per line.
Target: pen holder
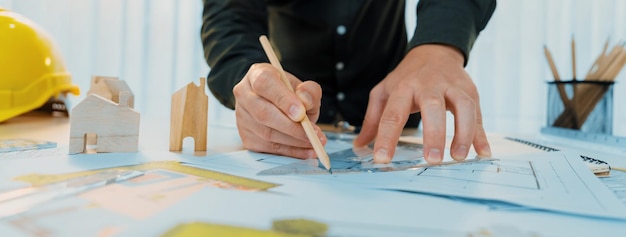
pixel 582 105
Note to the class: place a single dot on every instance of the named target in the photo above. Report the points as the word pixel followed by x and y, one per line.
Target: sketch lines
pixel 506 173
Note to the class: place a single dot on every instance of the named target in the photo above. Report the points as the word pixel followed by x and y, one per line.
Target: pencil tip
pixel 330 170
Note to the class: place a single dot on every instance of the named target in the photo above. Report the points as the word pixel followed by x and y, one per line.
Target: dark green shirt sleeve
pixel 451 22
pixel 230 33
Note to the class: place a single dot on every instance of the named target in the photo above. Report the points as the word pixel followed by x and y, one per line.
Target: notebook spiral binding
pixel 587 159
pixel 593 160
pixel 535 145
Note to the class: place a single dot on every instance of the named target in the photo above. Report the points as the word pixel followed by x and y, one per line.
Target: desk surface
pixel 154 133
pixel 355 211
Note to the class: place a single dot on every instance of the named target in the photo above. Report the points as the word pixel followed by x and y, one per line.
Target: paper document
pixel 554 181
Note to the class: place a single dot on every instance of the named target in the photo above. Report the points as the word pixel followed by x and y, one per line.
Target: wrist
pixel 437 53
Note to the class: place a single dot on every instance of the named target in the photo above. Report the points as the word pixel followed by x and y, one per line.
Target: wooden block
pixel 189 116
pixel 115 126
pixel 110 88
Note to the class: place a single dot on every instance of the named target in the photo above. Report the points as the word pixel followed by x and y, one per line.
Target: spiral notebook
pixel 598 167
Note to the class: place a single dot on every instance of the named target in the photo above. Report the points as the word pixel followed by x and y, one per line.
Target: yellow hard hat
pixel 31 67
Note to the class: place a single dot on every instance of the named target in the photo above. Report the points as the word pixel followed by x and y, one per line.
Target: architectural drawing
pixel 508 173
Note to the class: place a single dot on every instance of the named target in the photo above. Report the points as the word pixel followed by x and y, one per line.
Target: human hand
pixel 268 113
pixel 431 80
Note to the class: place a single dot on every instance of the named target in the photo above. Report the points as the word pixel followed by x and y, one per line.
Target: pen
pixel 305 122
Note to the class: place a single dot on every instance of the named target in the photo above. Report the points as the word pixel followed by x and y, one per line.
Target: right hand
pixel 269 114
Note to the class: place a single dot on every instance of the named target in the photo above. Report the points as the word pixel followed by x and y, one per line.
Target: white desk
pixel 345 210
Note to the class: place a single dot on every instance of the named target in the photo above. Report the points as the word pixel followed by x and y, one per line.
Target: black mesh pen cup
pixel 581 105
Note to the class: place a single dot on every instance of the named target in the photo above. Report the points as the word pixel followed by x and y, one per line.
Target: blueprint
pixel 616 183
pixel 554 181
pixel 548 181
pixel 225 192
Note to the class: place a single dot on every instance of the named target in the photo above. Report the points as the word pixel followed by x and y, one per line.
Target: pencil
pixel 305 122
pixel 573 58
pixel 555 73
pixel 562 93
pixel 618 168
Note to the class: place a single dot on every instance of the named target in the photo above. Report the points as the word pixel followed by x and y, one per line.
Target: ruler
pixel 174 166
pixel 408 156
pixel 598 138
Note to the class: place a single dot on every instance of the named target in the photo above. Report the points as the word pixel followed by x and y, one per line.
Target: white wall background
pixel 155 46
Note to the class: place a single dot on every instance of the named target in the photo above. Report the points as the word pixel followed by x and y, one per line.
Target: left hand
pixel 431 80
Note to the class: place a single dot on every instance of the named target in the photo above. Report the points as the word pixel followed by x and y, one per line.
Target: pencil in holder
pixel 581 105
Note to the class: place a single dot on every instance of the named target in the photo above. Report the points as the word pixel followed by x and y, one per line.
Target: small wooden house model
pixel 115 126
pixel 189 116
pixel 105 119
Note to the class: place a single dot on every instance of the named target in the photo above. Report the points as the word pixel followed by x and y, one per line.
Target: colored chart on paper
pixel 163 184
pixel 21 144
pixel 175 166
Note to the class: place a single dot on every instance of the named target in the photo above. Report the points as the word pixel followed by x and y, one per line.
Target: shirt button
pixel 341 96
pixel 339 66
pixel 341 30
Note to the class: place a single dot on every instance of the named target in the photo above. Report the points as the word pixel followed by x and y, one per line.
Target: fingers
pixel 481 144
pixel 464 110
pixel 265 113
pixel 268 129
pixel 265 82
pixel 433 109
pixel 253 143
pixel 289 139
pixel 391 123
pixel 310 94
pixel 264 139
pixel 375 108
pixel 431 80
pixel 258 111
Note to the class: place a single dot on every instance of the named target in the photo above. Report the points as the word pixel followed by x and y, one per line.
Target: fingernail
pixel 381 156
pixel 322 138
pixel 460 152
pixel 486 152
pixel 296 113
pixel 434 156
pixel 305 97
pixel 311 154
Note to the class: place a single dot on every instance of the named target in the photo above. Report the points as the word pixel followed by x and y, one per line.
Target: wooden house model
pixel 189 116
pixel 105 124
